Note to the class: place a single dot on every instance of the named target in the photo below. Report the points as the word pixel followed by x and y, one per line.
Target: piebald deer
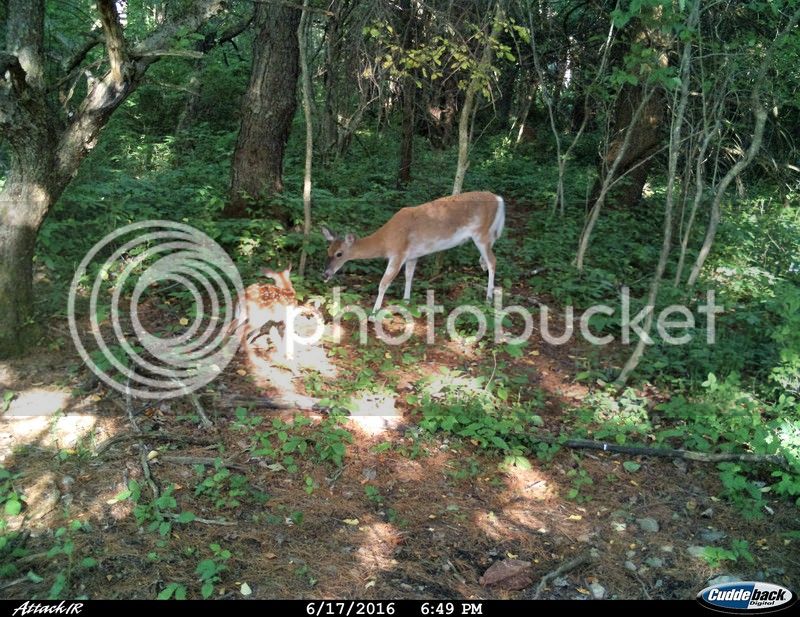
pixel 417 231
pixel 265 304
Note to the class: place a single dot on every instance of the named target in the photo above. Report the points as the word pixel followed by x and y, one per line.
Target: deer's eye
pixel 339 254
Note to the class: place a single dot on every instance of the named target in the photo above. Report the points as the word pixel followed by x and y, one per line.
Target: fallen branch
pixel 266 402
pixel 149 436
pixel 201 460
pixel 208 521
pixel 200 411
pixel 562 569
pixel 690 455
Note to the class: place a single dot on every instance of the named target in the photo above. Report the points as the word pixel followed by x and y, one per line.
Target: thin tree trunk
pixel 268 108
pixel 302 36
pixel 607 182
pixel 699 178
pixel 666 244
pixel 733 173
pixel 711 231
pixel 408 95
pixel 329 124
pixel 469 101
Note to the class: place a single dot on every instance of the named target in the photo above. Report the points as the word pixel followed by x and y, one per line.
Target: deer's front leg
pixel 391 271
pixel 410 265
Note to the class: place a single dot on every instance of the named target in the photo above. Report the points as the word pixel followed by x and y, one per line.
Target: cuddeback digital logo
pixel 746 597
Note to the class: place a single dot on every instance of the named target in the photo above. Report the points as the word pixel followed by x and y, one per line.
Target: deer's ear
pixel 349 239
pixel 328 235
pixel 289 268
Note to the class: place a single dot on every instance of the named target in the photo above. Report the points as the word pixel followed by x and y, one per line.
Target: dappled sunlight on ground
pixel 374 413
pixel 35 416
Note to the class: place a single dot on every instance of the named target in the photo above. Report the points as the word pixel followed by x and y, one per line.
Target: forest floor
pixel 407 514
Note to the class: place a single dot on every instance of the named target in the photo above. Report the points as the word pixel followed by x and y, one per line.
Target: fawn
pixel 265 305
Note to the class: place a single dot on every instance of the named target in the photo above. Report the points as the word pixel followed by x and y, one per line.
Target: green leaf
pixel 207 589
pixel 33 577
pixel 58 586
pixel 88 562
pixel 13 507
pixel 631 466
pixel 185 517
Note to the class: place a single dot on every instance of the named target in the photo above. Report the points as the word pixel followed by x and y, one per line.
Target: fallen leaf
pixel 350 521
pixel 510 574
pixel 183 321
pixel 245 589
pixel 574 517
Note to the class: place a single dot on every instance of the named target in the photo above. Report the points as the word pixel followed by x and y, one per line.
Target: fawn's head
pixel 338 252
pixel 281 277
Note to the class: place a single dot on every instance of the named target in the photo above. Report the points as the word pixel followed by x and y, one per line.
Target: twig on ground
pixel 201 460
pixel 151 436
pixel 209 521
pixel 562 569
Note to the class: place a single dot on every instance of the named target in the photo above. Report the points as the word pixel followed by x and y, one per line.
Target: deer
pixel 263 304
pixel 416 231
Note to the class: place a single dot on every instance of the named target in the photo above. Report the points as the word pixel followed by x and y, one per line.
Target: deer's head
pixel 339 249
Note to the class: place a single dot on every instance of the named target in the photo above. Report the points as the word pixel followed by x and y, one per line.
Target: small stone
pixel 712 535
pixel 696 551
pixel 648 524
pixel 369 474
pixel 654 562
pixel 723 578
pixel 629 565
pixel 707 513
pixel 560 582
pixel 619 526
pixel 598 591
pixel 667 548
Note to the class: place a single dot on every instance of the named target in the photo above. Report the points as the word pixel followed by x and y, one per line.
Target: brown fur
pixel 417 231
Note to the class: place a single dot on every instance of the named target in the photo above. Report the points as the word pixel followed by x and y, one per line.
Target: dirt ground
pixel 438 512
pixel 405 515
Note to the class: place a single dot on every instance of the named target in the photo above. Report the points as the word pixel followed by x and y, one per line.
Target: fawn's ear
pixel 349 239
pixel 328 235
pixel 288 268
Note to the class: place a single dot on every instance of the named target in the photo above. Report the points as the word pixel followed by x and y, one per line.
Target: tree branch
pixel 115 40
pixel 95 38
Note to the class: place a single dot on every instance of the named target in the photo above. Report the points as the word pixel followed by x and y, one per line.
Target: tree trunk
pixel 469 101
pixel 23 204
pixel 302 37
pixel 672 171
pixel 408 99
pixel 329 126
pixel 268 108
pixel 45 152
pixel 407 140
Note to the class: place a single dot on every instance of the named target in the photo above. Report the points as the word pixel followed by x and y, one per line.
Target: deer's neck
pixel 370 247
